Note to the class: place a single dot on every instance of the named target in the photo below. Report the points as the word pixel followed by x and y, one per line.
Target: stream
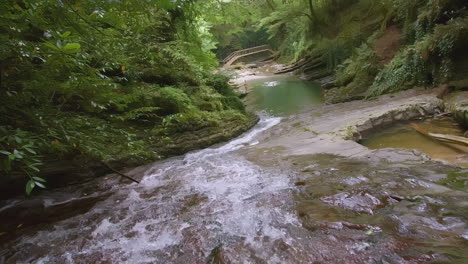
pixel 241 203
pixel 283 95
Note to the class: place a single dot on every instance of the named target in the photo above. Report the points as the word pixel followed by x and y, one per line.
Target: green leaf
pixel 39 179
pixel 50 45
pixel 72 47
pixel 18 154
pixel 12 156
pixel 30 186
pixel 40 185
pixel 65 34
pixel 5 152
pixel 30 150
pixel 32 167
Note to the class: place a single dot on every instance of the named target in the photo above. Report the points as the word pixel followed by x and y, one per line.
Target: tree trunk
pixel 312 11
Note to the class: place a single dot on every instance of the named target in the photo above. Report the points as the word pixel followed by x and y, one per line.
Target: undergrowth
pixel 105 81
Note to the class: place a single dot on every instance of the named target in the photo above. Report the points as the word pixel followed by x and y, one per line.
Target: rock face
pixel 66 172
pixel 192 140
pixel 457 103
pixel 361 202
pixel 409 112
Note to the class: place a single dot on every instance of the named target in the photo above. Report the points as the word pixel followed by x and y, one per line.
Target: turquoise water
pixel 283 95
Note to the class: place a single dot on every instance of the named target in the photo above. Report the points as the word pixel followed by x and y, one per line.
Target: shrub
pixel 220 84
pixel 427 62
pixel 196 120
pixel 233 102
pixel 173 100
pixel 19 156
pixel 142 114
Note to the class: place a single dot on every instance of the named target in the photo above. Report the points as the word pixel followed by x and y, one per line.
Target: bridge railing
pixel 245 51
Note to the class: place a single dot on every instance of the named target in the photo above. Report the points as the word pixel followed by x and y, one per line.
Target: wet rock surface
pixel 406 206
pixel 295 191
pixel 360 202
pixel 458 104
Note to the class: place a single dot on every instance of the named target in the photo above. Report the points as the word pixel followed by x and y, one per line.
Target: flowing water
pixel 182 209
pixel 239 203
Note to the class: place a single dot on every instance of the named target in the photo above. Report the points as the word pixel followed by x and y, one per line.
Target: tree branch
pixel 119 173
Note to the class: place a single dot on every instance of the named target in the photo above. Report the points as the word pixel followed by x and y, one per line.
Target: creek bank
pixel 242 74
pixel 295 191
pixel 334 129
pixel 362 118
pixel 377 203
pixel 88 183
pixel 457 103
pixel 192 140
pixel 76 169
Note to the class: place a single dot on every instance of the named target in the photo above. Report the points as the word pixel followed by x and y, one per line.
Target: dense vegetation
pixel 111 81
pixel 130 81
pixel 369 47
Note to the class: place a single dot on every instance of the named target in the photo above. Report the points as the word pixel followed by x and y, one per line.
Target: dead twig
pixel 119 173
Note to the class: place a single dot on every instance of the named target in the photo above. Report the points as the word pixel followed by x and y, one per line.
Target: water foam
pixel 209 195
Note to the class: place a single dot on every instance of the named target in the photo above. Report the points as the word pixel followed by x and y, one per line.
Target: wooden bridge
pixel 246 52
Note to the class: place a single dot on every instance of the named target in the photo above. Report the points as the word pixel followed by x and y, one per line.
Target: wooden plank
pixel 241 52
pixel 244 55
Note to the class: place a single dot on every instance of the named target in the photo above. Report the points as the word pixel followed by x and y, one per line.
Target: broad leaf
pixel 18 154
pixel 50 45
pixel 72 48
pixel 40 185
pixel 30 186
pixel 32 167
pixel 39 179
pixel 65 34
pixel 30 150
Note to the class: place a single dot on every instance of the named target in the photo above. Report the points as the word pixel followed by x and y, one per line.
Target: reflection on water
pixel 283 95
pixel 404 136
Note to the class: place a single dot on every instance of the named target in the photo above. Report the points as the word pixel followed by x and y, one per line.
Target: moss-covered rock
pixel 457 103
pixel 207 133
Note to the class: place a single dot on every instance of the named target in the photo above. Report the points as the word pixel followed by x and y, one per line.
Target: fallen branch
pixel 119 173
pixel 450 138
pixel 441 137
pixel 444 114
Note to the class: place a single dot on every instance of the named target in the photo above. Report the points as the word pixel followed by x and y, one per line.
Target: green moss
pixel 456 180
pixel 427 62
pixel 173 100
pixel 197 120
pixel 310 131
pixel 349 133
